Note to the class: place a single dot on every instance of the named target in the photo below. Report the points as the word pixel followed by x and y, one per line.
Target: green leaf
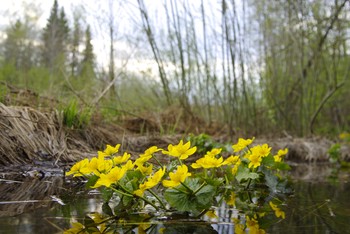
pixel 178 199
pixel 91 181
pixel 243 173
pixel 107 209
pixel 106 194
pixel 268 161
pixel 205 196
pixel 126 200
pixel 281 166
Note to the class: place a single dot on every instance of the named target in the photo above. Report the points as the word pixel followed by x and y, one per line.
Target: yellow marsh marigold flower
pixel 242 144
pixel 128 165
pixel 120 159
pixel 231 201
pixel 211 214
pixel 231 160
pixel 181 150
pixel 110 150
pixel 178 177
pixel 280 154
pixel 113 176
pixel 278 211
pixel 77 228
pixel 208 162
pixel 239 228
pixel 255 160
pixel 253 225
pixel 235 168
pixel 151 182
pixel 142 160
pixel 145 170
pixel 213 152
pixel 77 167
pixel 261 150
pixel 98 165
pixel 344 136
pixel 150 151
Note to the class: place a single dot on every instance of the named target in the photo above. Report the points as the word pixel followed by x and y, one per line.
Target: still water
pixel 320 204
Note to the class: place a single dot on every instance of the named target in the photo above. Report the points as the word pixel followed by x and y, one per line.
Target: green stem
pixel 120 192
pixel 148 202
pixel 155 158
pixel 190 190
pixel 158 198
pixel 249 181
pixel 124 189
pixel 202 213
pixel 195 192
pixel 182 190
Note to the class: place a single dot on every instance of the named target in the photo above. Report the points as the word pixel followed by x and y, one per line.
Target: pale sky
pixel 97 13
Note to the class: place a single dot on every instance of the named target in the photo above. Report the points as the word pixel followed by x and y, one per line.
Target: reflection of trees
pixel 317 208
pixel 38 191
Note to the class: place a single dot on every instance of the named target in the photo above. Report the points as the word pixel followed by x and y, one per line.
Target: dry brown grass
pixel 27 134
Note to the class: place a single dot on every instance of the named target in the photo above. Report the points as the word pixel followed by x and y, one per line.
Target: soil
pixel 33 136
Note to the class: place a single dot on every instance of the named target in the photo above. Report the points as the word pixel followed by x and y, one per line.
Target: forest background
pixel 254 67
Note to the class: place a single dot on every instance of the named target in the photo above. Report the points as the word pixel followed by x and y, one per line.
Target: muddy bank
pixel 30 136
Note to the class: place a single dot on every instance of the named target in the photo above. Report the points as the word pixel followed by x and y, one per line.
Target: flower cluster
pixel 174 184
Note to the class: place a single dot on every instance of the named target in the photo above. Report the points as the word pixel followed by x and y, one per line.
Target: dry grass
pixel 27 134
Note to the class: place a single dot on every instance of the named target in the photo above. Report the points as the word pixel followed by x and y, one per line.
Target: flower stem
pixel 158 198
pixel 155 158
pixel 148 202
pixel 120 192
pixel 188 188
pixel 195 192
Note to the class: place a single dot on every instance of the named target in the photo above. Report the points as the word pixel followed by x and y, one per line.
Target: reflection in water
pixel 317 206
pixel 17 196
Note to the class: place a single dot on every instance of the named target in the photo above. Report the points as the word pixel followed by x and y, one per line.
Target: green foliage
pixel 334 153
pixel 252 174
pixel 204 143
pixel 73 117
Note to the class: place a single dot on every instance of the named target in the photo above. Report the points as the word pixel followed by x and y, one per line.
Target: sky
pixel 96 14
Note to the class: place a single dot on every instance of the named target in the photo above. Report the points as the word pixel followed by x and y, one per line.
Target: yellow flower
pixel 120 159
pixel 77 167
pixel 261 150
pixel 113 176
pixel 208 162
pixel 231 160
pixel 211 214
pixel 232 199
pixel 110 150
pixel 239 228
pixel 255 160
pixel 128 165
pixel 142 160
pixel 242 144
pixel 145 170
pixel 235 168
pixel 178 177
pixel 77 228
pixel 213 152
pixel 150 151
pixel 344 135
pixel 278 211
pixel 252 224
pixel 151 182
pixel 181 150
pixel 280 154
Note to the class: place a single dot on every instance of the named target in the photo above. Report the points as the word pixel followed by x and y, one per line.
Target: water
pixel 320 204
